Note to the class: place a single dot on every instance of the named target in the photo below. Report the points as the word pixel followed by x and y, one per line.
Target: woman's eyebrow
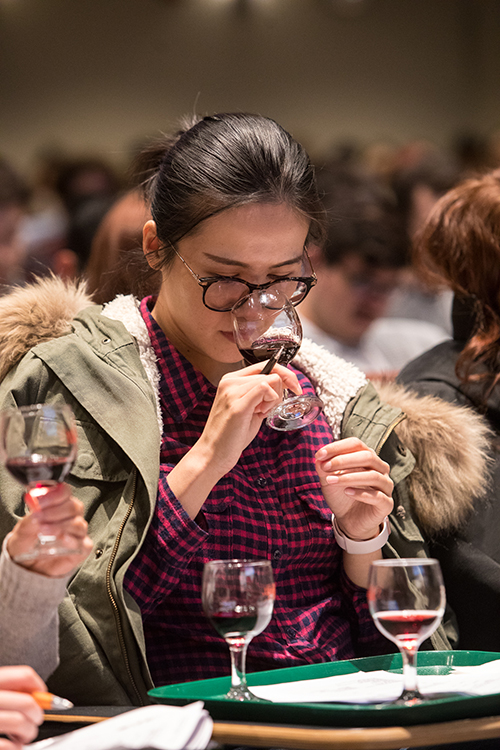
pixel 239 264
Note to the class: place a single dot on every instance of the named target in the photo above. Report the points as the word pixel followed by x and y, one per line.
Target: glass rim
pixel 239 562
pixel 27 408
pixel 404 561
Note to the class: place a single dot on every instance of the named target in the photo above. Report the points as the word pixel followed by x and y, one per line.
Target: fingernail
pixel 321 453
pixel 349 491
pixel 332 479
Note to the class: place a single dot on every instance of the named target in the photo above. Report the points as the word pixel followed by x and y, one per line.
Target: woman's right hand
pixel 60 514
pixel 243 399
pixel 20 715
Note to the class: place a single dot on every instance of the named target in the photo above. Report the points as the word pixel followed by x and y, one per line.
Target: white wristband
pixel 354 547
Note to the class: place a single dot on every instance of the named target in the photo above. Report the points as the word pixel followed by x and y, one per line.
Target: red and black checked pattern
pixel 269 506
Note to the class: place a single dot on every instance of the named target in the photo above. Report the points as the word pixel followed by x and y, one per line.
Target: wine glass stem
pixel 410 688
pixel 238 670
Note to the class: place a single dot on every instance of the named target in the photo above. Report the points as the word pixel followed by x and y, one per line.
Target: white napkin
pixel 380 686
pixel 156 727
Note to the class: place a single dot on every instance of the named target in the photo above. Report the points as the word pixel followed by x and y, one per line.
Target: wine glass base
pixel 409 698
pixel 294 413
pixel 243 694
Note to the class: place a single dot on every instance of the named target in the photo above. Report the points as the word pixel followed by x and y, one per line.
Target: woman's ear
pixel 151 244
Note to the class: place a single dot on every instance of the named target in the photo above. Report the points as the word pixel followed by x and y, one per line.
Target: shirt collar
pixel 181 385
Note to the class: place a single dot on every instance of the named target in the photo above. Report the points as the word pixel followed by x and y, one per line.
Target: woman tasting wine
pixel 176 465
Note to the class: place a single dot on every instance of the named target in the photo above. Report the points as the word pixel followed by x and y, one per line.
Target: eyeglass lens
pixel 224 293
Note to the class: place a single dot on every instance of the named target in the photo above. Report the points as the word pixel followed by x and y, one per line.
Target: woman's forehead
pixel 241 235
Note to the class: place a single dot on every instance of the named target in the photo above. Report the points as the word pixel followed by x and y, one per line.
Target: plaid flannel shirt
pixel 269 506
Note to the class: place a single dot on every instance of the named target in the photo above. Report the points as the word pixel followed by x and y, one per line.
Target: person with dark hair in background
pixel 14 196
pixel 417 187
pixel 85 189
pixel 460 245
pixel 176 465
pixel 358 268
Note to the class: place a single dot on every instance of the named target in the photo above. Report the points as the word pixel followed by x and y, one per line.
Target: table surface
pixel 321 738
pixel 366 738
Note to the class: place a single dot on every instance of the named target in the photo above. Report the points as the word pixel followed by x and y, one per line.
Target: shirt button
pixel 290 632
pixel 276 554
pixel 262 481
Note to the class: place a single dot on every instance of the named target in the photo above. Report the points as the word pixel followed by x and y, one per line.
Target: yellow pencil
pixel 49 701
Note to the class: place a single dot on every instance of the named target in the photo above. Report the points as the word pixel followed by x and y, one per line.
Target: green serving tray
pixel 212 693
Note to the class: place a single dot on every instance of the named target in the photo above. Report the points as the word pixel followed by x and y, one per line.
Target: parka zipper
pixel 112 599
pixel 400 418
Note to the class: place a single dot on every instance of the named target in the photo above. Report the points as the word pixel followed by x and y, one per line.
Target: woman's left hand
pixel 356 485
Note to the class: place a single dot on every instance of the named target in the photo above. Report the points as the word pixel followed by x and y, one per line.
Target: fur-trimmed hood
pixel 450 443
pixel 37 312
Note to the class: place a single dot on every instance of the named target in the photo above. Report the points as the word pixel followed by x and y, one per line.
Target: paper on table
pixel 380 686
pixel 156 727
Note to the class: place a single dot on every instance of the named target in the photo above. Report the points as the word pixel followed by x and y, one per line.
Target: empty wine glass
pixel 267 327
pixel 38 445
pixel 238 598
pixel 406 598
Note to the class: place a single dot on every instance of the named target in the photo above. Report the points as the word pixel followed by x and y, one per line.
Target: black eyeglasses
pixel 221 293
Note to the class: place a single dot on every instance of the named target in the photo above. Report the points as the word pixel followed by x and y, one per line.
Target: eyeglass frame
pixel 206 282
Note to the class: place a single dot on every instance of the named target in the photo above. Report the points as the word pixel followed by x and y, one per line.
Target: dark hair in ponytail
pixel 221 162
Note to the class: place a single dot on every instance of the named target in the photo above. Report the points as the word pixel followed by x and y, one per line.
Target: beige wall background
pixel 99 75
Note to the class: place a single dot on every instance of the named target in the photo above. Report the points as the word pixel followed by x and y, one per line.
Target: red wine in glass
pixel 406 598
pixel 408 627
pixel 266 325
pixel 39 470
pixel 38 445
pixel 238 598
pixel 263 349
pixel 244 621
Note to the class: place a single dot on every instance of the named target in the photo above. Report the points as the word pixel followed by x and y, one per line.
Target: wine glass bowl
pixel 38 444
pixel 406 598
pixel 266 326
pixel 238 598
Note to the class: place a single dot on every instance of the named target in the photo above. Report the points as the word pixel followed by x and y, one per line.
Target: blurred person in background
pixel 14 196
pixel 418 183
pixel 117 264
pixel 358 270
pixel 59 233
pixel 460 245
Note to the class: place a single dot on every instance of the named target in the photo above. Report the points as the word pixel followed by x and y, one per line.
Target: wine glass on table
pixel 406 598
pixel 267 327
pixel 238 598
pixel 38 445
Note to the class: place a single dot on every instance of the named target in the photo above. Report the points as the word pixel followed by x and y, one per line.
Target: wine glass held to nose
pixel 38 445
pixel 267 327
